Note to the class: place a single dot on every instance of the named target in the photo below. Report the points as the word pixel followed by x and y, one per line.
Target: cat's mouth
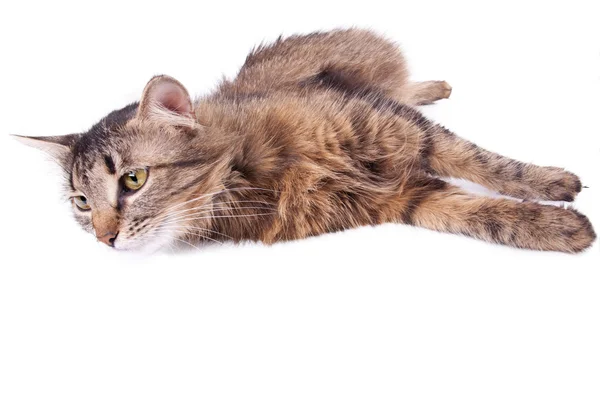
pixel 148 245
pixel 152 241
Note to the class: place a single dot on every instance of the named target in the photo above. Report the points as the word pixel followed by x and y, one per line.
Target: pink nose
pixel 109 238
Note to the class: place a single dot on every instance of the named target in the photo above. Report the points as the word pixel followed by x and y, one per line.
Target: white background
pixel 387 311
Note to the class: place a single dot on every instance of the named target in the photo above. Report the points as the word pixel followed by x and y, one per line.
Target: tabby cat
pixel 317 133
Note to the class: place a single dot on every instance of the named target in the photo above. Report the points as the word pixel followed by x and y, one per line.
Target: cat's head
pixel 132 176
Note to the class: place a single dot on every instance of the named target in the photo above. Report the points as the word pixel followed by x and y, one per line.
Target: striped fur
pixel 318 132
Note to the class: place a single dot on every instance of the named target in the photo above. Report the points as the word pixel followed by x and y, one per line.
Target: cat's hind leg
pixel 437 205
pixel 448 155
pixel 423 93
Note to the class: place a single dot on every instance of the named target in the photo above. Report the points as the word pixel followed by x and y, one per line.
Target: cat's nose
pixel 109 238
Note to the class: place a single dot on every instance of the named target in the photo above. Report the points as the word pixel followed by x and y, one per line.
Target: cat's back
pixel 362 57
pixel 313 130
pixel 285 118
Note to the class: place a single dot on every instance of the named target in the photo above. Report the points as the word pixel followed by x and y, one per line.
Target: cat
pixel 317 133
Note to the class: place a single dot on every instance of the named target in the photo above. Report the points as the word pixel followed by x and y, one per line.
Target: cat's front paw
pixel 560 185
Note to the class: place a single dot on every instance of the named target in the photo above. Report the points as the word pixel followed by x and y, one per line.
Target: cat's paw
pixel 578 232
pixel 445 89
pixel 560 185
pixel 565 230
pixel 425 93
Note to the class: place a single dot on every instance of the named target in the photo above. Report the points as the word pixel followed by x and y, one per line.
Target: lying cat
pixel 317 133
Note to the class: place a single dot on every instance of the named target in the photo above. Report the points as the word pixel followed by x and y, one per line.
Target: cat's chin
pixel 149 246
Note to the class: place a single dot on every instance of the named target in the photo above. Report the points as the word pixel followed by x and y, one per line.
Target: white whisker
pixel 212 217
pixel 211 206
pixel 195 234
pixel 187 243
pixel 207 205
pixel 216 193
pixel 211 231
pixel 218 209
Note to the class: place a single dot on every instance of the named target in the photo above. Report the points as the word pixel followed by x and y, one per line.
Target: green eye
pixel 81 202
pixel 135 179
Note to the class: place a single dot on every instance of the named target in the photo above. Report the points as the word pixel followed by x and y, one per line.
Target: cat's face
pixel 133 176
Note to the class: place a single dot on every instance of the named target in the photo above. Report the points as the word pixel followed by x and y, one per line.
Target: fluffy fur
pixel 317 133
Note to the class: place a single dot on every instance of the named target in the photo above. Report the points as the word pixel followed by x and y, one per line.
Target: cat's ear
pixel 165 93
pixel 59 147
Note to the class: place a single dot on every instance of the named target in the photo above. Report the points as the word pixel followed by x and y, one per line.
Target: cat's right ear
pixel 59 147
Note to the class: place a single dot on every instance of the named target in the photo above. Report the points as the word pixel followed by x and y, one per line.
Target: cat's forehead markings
pixel 91 170
pixel 110 164
pixel 112 192
pixel 79 176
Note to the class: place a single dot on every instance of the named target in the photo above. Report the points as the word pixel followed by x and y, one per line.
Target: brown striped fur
pixel 317 133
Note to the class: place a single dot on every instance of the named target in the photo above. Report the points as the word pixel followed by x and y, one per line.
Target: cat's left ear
pixel 163 93
pixel 59 147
